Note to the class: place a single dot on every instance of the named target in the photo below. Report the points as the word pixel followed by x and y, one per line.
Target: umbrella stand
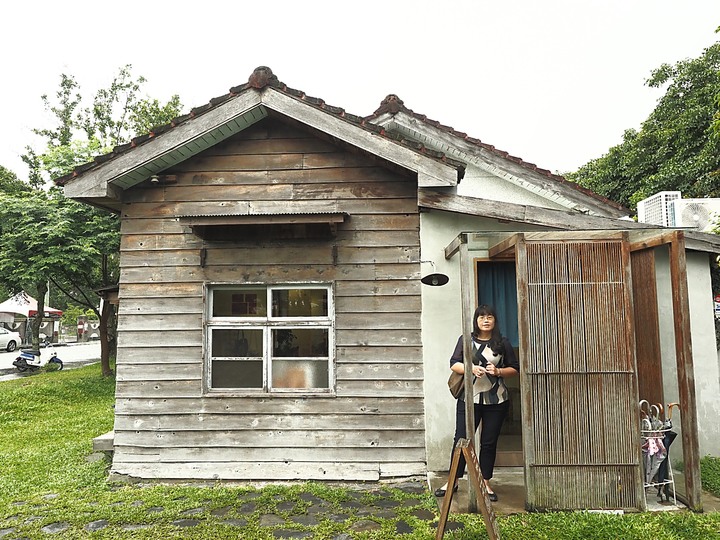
pixel 656 437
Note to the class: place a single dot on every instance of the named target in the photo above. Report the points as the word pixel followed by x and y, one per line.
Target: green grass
pixel 710 474
pixel 48 420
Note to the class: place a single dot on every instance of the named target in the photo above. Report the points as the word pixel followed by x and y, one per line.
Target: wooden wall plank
pixel 375 304
pixel 357 288
pixel 167 280
pixel 354 354
pixel 375 372
pixel 152 337
pixel 381 321
pixel 253 422
pixel 160 322
pixel 247 470
pixel 346 338
pixel 162 371
pixel 135 454
pixel 262 405
pixel 167 426
pixel 166 389
pixel 159 371
pixel 171 354
pixel 351 206
pixel 300 438
pixel 685 370
pixel 160 306
pixel 647 329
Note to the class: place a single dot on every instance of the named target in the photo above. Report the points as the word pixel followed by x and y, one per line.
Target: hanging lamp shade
pixel 435 280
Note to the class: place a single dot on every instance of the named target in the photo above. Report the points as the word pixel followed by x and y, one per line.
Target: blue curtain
pixel 497 286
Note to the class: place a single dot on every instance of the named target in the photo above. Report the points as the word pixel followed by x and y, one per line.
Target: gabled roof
pixel 102 180
pixel 395 116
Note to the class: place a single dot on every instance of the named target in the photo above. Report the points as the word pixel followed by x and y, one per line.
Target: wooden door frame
pixel 675 241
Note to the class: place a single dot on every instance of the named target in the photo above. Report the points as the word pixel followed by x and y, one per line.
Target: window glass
pixel 241 342
pixel 300 303
pixel 299 342
pixel 300 374
pixel 239 303
pixel 237 374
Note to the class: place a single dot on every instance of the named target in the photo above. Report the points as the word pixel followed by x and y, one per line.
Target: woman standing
pixel 494 361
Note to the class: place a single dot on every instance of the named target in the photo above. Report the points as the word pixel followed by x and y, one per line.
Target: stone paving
pixel 289 519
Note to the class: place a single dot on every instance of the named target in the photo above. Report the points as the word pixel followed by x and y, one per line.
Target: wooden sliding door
pixel 579 384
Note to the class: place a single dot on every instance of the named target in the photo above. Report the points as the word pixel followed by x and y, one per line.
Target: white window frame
pixel 267 324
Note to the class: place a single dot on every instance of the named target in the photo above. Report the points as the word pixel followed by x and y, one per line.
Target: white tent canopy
pixel 23 304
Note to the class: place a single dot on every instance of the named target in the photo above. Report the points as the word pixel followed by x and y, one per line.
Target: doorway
pixel 496 284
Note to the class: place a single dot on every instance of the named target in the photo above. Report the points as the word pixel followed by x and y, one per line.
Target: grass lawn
pixel 47 422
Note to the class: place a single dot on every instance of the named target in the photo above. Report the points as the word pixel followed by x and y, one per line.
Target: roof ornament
pixel 262 77
pixel 391 104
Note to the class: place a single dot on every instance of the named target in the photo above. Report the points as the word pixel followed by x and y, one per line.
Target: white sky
pixel 555 82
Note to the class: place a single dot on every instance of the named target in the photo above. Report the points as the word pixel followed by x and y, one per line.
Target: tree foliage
pixel 38 243
pixel 10 184
pixel 676 148
pixel 45 237
pixel 117 113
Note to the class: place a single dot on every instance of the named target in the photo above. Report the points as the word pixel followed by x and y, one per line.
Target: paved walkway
pixel 289 518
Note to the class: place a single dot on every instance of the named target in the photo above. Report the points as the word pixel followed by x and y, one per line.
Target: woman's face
pixel 486 323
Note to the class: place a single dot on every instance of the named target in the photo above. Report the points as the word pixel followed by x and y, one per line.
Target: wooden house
pixel 273 324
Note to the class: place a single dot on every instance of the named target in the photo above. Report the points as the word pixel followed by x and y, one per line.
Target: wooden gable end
pixel 371 425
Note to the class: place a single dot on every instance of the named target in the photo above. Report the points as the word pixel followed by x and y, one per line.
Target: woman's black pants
pixel 492 417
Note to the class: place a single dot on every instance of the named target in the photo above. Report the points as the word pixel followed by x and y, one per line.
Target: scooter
pixel 30 360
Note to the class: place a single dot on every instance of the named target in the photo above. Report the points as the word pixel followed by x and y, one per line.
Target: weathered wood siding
pixel 165 426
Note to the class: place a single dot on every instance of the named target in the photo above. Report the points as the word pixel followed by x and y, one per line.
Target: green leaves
pixel 78 134
pixel 677 147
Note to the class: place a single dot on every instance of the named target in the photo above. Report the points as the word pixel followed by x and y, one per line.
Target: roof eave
pixel 431 172
pixel 518 173
pixel 108 179
pixel 113 176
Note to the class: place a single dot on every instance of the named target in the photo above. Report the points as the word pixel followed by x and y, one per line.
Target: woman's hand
pixel 492 369
pixel 478 371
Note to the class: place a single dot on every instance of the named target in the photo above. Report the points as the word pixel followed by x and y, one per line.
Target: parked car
pixel 9 340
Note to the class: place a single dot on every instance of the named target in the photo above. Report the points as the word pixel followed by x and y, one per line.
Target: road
pixel 72 355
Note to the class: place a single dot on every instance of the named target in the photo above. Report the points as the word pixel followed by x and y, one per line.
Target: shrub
pixel 710 474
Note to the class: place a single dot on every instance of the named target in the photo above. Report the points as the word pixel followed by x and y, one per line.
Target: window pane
pixel 237 342
pixel 240 303
pixel 300 303
pixel 298 342
pixel 300 374
pixel 237 374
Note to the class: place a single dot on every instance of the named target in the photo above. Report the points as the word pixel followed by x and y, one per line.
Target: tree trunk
pixel 105 345
pixel 38 318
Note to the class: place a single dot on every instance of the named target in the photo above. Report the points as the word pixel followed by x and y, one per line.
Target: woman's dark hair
pixel 496 342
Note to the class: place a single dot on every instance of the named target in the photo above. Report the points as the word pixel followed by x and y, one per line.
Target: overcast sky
pixel 555 82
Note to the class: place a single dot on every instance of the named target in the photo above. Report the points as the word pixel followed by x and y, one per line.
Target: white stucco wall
pixel 484 184
pixel 442 323
pixel 704 347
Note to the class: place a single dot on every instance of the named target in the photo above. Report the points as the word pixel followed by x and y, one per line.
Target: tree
pixel 86 239
pixel 36 244
pixel 676 147
pixel 10 184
